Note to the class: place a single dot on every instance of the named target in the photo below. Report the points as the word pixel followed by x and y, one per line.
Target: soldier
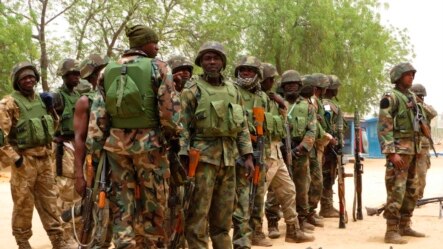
pixel 90 69
pixel 214 123
pixel 329 169
pixel 26 131
pixel 181 71
pixel 64 103
pixel 278 177
pixel 245 218
pixel 320 83
pixel 133 126
pixel 423 157
pixel 303 122
pixel 400 142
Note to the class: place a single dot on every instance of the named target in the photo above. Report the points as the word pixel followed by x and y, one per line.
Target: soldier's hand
pixel 80 185
pixel 19 162
pixel 333 141
pixel 249 166
pixel 300 150
pixel 397 161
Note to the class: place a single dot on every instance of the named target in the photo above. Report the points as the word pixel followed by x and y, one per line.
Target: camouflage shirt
pixel 212 150
pixel 9 115
pixel 134 141
pixel 311 123
pixel 389 109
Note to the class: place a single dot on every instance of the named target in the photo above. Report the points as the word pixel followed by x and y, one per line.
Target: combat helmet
pixel 322 80
pixel 290 76
pixel 418 89
pixel 397 71
pixel 211 46
pixel 67 66
pixel 178 61
pixel 17 68
pixel 93 63
pixel 269 70
pixel 249 61
pixel 334 82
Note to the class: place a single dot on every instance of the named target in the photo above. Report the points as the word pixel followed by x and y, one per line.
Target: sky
pixel 424 21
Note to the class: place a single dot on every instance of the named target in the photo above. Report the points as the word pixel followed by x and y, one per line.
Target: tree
pixel 15 39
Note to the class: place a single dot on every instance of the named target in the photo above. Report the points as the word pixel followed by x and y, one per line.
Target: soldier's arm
pixel 98 126
pixel 386 126
pixel 311 130
pixel 9 111
pixel 168 101
pixel 188 105
pixel 429 111
pixel 244 144
pixel 81 120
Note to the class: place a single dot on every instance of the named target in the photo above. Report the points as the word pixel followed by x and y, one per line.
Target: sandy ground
pixel 367 233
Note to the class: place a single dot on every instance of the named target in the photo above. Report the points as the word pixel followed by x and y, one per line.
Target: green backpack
pixel 130 98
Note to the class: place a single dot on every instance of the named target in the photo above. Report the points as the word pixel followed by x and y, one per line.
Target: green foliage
pixel 15 42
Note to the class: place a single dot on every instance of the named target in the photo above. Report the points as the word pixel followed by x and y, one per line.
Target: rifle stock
pixel 288 148
pixel 87 206
pixel 377 211
pixel 194 158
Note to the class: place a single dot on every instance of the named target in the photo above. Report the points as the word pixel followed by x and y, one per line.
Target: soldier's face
pixel 291 87
pixel 72 79
pixel 27 84
pixel 151 49
pixel 407 79
pixel 247 72
pixel 211 62
pixel 267 84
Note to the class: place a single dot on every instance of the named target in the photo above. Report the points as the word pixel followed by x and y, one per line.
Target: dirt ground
pixel 367 233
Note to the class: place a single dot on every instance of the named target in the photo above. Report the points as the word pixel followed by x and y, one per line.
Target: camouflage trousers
pixel 32 184
pixel 213 203
pixel 316 185
pixel 401 186
pixel 302 180
pixel 282 189
pixel 139 193
pixel 423 164
pixel 241 216
pixel 67 196
pixel 329 169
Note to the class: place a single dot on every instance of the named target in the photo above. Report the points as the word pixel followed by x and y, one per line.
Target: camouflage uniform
pixel 213 198
pixel 423 157
pixel 65 179
pixel 397 137
pixel 329 168
pixel 244 222
pixel 32 180
pixel 138 161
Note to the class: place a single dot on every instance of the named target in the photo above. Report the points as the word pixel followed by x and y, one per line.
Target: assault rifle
pixel 288 147
pixel 357 213
pixel 194 157
pixel 343 219
pixel 421 124
pixel 377 211
pixel 259 118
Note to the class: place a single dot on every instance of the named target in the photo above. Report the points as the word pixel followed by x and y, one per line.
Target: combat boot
pixel 392 235
pixel 295 235
pixel 406 230
pixel 314 221
pixel 23 244
pixel 273 231
pixel 259 238
pixel 305 226
pixel 327 210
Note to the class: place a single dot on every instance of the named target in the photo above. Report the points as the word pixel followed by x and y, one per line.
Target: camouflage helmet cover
pixel 309 80
pixel 290 76
pixel 93 63
pixel 211 46
pixel 269 70
pixel 334 82
pixel 249 61
pixel 397 71
pixel 17 68
pixel 67 66
pixel 179 61
pixel 322 80
pixel 418 89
